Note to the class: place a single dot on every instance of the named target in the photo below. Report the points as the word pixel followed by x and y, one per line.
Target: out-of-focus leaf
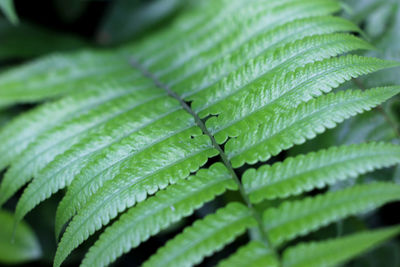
pixel 359 10
pixel 8 9
pixel 381 20
pixel 392 111
pixel 385 255
pixel 371 126
pixel 26 41
pixel 128 18
pixel 23 247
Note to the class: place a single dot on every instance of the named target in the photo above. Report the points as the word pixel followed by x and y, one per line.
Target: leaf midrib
pixel 222 155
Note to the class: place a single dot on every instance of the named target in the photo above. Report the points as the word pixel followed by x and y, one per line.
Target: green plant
pixel 24 246
pixel 7 6
pixel 380 21
pixel 155 129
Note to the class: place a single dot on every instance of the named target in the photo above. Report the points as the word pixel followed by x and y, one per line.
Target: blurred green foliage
pixel 18 248
pixel 7 6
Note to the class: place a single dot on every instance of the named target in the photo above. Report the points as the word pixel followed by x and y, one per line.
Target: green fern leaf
pixel 186 28
pixel 292 219
pixel 122 152
pixel 336 251
pixel 157 213
pixel 33 82
pixel 17 135
pixel 333 38
pixel 63 168
pixel 181 154
pixel 81 69
pixel 264 43
pixel 262 17
pixel 44 149
pixel 254 254
pixel 99 169
pixel 242 80
pixel 290 57
pixel 166 164
pixel 202 22
pixel 235 113
pixel 216 31
pixel 204 237
pixel 316 170
pixel 296 125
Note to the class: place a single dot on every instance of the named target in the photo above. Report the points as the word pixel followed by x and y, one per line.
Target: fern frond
pixel 243 27
pixel 336 251
pixel 171 160
pixel 204 237
pixel 167 163
pixel 205 16
pixel 294 126
pixel 107 157
pixel 18 134
pixel 297 218
pixel 158 212
pixel 33 82
pixel 242 80
pixel 112 135
pixel 58 139
pixel 239 107
pixel 263 43
pixel 255 75
pixel 208 36
pixel 187 28
pixel 178 131
pixel 200 23
pixel 254 254
pixel 316 170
